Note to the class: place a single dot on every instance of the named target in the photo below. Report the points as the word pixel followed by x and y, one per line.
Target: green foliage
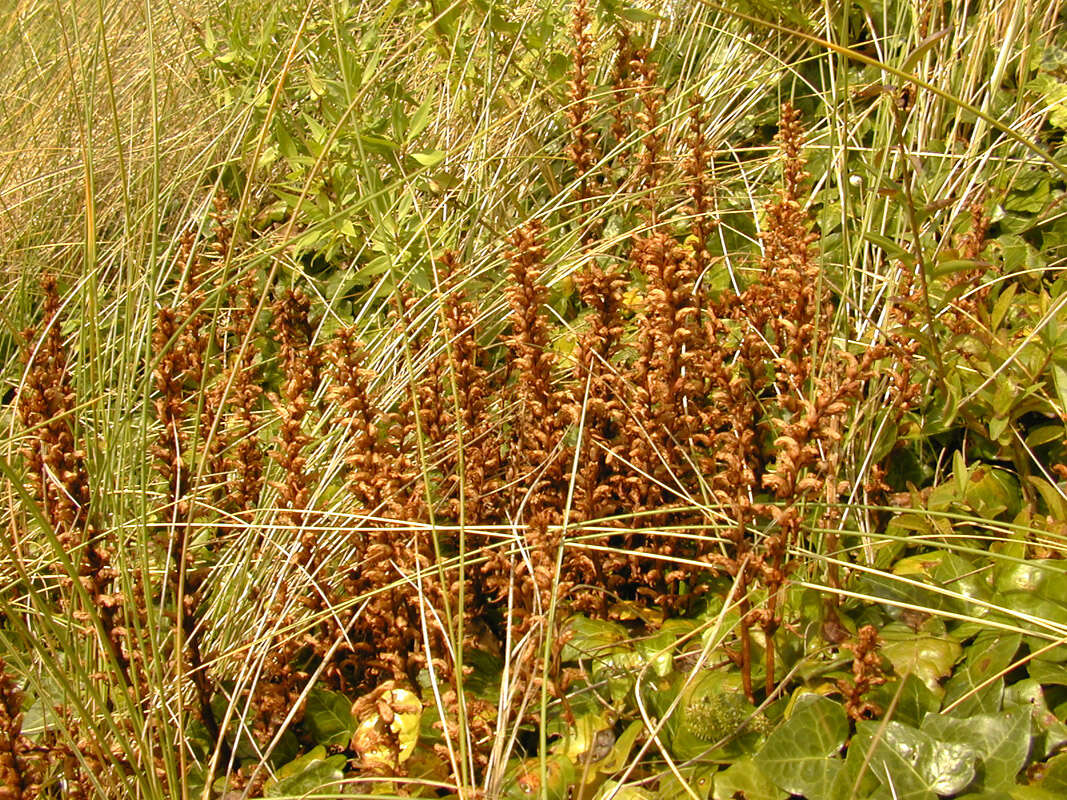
pixel 802 756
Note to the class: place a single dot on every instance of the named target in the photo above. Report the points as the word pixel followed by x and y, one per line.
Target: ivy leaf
pixel 910 764
pixel 929 658
pixel 799 755
pixel 1055 776
pixel 588 638
pixel 698 779
pixel 524 778
pixel 1002 742
pixel 328 716
pixel 622 792
pixel 910 701
pixel 990 654
pixel 307 774
pixel 1050 734
pixel 744 779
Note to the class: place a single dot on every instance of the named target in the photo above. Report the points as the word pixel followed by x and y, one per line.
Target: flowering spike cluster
pixel 650 96
pixel 46 406
pixel 671 392
pixel 244 464
pixel 582 151
pixel 536 469
pixel 58 474
pixel 698 186
pixel 20 763
pixel 621 86
pixel 300 362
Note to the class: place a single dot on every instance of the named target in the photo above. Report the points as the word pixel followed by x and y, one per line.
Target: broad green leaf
pixel 929 658
pixel 586 638
pixel 524 779
pixel 1051 732
pixel 1040 609
pixel 1046 672
pixel 1054 777
pixel 420 118
pixel 1002 742
pixel 910 699
pixel 910 764
pixel 431 159
pixel 624 791
pixel 744 779
pixel 799 756
pixel 898 592
pixel 637 15
pixel 620 753
pixel 973 684
pixel 960 575
pixel 891 248
pixel 328 716
pixel 591 737
pixel 698 779
pixel 1036 576
pixel 311 772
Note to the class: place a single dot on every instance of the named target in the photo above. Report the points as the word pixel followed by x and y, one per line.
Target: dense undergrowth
pixel 568 403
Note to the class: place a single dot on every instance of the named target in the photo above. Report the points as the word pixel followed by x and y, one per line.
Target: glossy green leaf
pixel 524 779
pixel 430 159
pixel 1054 775
pixel 909 699
pixel 912 765
pixel 1036 576
pixel 309 773
pixel 624 791
pixel 973 686
pixel 929 658
pixel 799 756
pixel 698 779
pixel 743 778
pixel 1002 742
pixel 586 638
pixel 328 716
pixel 1050 732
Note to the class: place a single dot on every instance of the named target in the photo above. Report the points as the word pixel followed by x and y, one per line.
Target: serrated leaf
pixel 799 756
